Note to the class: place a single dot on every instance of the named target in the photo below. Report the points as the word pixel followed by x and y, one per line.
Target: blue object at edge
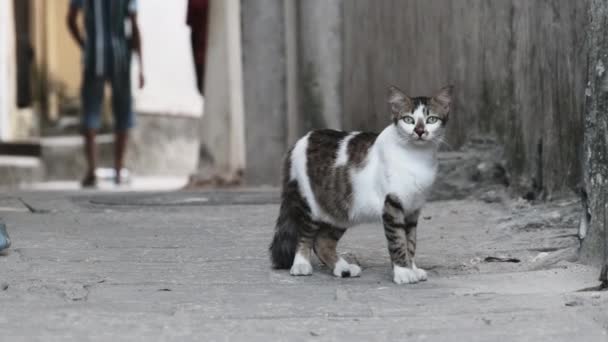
pixel 5 241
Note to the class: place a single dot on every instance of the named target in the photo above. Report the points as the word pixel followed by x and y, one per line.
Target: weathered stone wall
pixel 292 73
pixel 265 89
pixel 222 131
pixel 595 196
pixel 518 67
pixel 318 46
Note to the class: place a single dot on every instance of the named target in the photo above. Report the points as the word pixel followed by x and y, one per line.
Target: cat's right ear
pixel 398 102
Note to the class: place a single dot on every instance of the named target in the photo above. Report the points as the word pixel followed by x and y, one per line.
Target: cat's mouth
pixel 420 140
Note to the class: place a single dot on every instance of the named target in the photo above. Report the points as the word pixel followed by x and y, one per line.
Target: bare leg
pixel 91 156
pixel 120 147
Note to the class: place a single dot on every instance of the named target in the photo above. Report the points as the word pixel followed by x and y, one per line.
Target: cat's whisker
pixel 442 141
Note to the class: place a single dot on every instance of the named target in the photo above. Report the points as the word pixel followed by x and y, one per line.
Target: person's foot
pixel 117 177
pixel 89 181
pixel 121 177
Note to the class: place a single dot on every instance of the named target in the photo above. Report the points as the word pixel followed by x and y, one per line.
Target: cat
pixel 333 180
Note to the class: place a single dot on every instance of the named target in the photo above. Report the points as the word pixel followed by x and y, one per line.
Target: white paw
pixel 404 275
pixel 344 270
pixel 301 269
pixel 301 266
pixel 420 273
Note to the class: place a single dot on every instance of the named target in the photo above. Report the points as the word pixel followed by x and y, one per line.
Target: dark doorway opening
pixel 25 52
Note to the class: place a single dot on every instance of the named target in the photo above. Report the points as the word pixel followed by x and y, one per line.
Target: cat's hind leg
pixel 325 244
pixel 294 233
pixel 287 232
pixel 301 263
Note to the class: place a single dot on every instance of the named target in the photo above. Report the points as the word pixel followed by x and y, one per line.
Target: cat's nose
pixel 419 131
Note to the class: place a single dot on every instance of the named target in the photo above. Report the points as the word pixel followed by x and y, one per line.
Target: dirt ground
pixel 193 265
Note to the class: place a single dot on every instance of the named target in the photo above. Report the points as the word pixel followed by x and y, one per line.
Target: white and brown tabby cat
pixel 333 180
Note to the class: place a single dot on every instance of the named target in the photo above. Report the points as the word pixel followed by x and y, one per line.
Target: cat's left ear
pixel 442 101
pixel 398 102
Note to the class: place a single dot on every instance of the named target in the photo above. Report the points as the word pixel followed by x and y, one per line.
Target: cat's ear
pixel 441 103
pixel 398 102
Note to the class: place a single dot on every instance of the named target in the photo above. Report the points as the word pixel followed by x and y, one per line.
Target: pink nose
pixel 419 131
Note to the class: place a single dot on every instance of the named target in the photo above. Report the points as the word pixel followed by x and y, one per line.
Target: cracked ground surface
pixel 194 266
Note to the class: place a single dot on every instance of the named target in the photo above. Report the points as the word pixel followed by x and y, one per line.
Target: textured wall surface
pixel 595 157
pixel 519 68
pixel 292 69
pixel 318 28
pixel 265 89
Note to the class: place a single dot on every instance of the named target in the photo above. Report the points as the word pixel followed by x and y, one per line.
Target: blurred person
pixel 197 19
pixel 106 46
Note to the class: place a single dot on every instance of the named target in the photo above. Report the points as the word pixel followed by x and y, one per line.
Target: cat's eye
pixel 408 120
pixel 432 119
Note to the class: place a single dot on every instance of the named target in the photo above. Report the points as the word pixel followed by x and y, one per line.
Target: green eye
pixel 432 119
pixel 408 120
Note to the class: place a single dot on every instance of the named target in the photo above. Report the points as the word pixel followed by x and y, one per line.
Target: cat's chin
pixel 420 142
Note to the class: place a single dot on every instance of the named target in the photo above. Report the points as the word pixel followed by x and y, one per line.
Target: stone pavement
pixel 194 266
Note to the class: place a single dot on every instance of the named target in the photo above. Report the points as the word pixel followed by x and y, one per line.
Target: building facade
pixel 40 75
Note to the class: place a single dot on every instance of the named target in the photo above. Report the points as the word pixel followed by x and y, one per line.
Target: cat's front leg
pixel 411 225
pixel 401 241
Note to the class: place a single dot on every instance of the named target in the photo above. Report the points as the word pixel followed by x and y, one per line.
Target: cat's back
pixel 321 162
pixel 321 152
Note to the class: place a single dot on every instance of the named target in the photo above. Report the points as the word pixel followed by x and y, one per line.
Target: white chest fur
pixel 392 168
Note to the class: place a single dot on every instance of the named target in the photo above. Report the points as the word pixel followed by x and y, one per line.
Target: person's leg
pixel 120 147
pixel 199 67
pixel 123 118
pixel 199 77
pixel 91 157
pixel 92 97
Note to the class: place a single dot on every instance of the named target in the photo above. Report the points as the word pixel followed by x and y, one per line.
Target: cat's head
pixel 420 120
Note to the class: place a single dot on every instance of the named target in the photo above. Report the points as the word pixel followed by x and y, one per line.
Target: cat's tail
pixel 286 233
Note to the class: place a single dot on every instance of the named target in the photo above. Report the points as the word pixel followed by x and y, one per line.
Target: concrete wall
pixel 15 123
pixel 169 69
pixel 594 224
pixel 56 68
pixel 160 145
pixel 292 60
pixel 318 47
pixel 222 151
pixel 6 65
pixel 518 67
pixel 265 88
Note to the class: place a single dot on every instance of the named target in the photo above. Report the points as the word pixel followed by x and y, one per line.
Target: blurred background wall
pixel 40 76
pixel 518 67
pixel 6 68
